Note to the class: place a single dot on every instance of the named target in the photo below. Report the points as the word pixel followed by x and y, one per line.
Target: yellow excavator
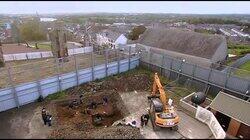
pixel 162 113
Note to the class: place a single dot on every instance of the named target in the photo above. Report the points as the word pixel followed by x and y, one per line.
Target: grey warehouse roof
pixel 232 106
pixel 187 42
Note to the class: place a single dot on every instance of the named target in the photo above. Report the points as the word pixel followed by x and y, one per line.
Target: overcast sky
pixel 191 7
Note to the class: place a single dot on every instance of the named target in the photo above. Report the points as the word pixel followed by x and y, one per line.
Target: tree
pixel 136 32
pixel 32 31
pixel 15 31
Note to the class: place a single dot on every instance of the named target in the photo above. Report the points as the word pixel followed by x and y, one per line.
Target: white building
pixel 240 33
pixel 111 38
pixel 227 33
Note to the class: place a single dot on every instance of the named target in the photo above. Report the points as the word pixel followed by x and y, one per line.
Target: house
pixel 233 114
pixel 197 48
pixel 111 38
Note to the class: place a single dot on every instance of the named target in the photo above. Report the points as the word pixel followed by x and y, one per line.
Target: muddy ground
pixel 76 124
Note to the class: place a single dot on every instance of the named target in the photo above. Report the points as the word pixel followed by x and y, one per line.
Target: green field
pixel 42 45
pixel 244 70
pixel 238 49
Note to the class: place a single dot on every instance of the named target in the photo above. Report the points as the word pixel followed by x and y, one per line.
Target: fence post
pixel 162 63
pixel 106 62
pixel 76 68
pixel 207 85
pixel 228 74
pixel 13 88
pixel 27 56
pixel 248 87
pixel 58 74
pixel 180 69
pixel 93 64
pixel 171 65
pixel 118 61
pixel 129 57
pixel 36 70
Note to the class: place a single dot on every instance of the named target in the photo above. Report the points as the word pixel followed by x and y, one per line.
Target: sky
pixel 180 7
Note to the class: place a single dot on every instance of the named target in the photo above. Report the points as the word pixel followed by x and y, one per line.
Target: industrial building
pixel 201 49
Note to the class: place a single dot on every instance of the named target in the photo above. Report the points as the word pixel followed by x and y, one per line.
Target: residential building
pixel 240 33
pixel 227 33
pixel 111 38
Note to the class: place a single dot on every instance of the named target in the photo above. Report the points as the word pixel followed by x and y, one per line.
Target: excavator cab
pixel 162 114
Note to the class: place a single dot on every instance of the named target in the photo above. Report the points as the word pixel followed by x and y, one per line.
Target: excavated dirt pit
pixel 73 123
pixel 67 115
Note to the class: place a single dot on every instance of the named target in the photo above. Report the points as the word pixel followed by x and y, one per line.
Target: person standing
pixel 81 98
pixel 105 100
pixel 142 120
pixel 44 115
pixel 49 119
pixel 146 118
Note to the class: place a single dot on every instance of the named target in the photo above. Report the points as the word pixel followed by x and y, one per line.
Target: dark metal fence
pixel 212 80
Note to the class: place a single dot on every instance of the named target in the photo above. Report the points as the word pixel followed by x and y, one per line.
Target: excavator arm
pixel 157 86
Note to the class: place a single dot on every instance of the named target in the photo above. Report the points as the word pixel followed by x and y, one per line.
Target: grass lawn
pixel 245 66
pixel 238 49
pixel 244 70
pixel 42 45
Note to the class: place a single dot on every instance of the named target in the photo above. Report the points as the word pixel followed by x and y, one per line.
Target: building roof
pixel 187 42
pixel 111 34
pixel 232 106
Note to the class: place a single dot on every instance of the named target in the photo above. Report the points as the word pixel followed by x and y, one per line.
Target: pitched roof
pixel 111 34
pixel 181 41
pixel 232 106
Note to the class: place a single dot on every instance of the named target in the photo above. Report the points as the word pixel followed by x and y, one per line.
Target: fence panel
pixel 187 68
pixel 34 55
pixel 156 59
pixel 46 54
pixel 237 84
pixel 7 100
pixel 218 77
pixel 176 65
pixel 167 63
pixel 20 56
pixel 29 92
pixel 201 73
pixel 8 57
pixel 214 77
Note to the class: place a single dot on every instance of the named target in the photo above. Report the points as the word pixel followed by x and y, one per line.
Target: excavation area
pixel 98 113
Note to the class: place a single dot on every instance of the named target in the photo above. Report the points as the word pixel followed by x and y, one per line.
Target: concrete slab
pixel 137 104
